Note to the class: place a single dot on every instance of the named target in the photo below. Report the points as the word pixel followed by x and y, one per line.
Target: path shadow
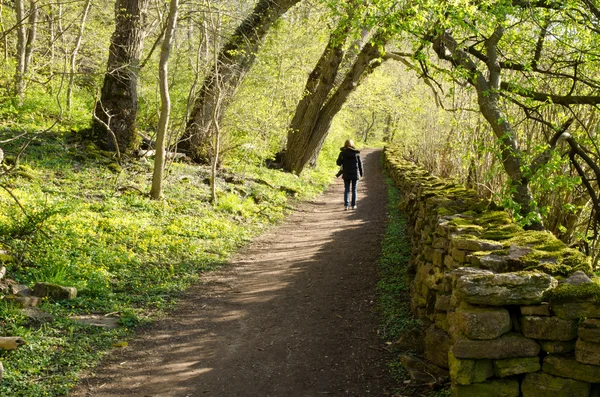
pixel 294 314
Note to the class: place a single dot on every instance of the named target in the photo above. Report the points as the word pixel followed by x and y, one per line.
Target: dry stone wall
pixel 508 312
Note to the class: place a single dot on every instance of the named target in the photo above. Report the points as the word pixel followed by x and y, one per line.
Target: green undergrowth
pixel 393 286
pixel 83 220
pixel 398 328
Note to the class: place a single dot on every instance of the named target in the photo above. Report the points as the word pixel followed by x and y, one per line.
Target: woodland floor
pixel 293 315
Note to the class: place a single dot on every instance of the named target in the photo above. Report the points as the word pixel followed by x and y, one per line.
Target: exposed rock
pixel 23 301
pixel 2 272
pixel 542 309
pixel 467 244
pixel 549 328
pixel 557 347
pixel 507 346
pixel 442 303
pixel 541 384
pixel 38 316
pixel 437 345
pixel 456 274
pixel 520 288
pixel 458 255
pixel 516 366
pixel 97 321
pixel 20 290
pixel 568 367
pixel 496 263
pixel 422 372
pixel 498 388
pixel 578 278
pixel 576 310
pixel 465 372
pixel 441 321
pixel 482 323
pixel 589 330
pixel 587 352
pixel 54 291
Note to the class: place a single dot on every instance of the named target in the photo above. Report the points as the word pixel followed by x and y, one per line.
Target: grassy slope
pixel 90 224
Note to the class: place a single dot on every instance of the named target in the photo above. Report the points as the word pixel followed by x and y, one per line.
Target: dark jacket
pixel 349 159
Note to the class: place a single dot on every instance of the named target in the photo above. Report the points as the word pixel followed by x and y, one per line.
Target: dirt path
pixel 294 316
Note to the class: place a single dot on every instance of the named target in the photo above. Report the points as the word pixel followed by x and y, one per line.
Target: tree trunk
pixel 318 87
pixel 31 34
pixel 370 125
pixel 488 98
pixel 311 140
pixel 235 59
pixel 114 125
pixel 86 9
pixel 165 106
pixel 21 49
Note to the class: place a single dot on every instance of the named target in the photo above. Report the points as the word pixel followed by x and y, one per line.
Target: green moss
pixel 114 167
pixel 543 241
pixel 575 293
pixel 502 232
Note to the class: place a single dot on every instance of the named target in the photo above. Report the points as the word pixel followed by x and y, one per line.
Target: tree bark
pixel 21 45
pixel 156 191
pixel 488 100
pixel 318 87
pixel 117 109
pixel 305 146
pixel 235 59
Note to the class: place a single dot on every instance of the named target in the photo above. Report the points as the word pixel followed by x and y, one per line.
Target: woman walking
pixel 349 159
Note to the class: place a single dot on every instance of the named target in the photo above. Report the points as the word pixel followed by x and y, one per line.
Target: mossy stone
pixel 587 352
pixel 541 384
pixel 568 367
pixel 507 346
pixel 548 328
pixel 516 366
pixel 557 347
pixel 114 167
pixel 498 388
pixel 465 372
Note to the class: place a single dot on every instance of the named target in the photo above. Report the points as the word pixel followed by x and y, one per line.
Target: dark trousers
pixel 347 184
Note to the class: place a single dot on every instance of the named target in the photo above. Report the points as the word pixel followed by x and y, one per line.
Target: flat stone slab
pixel 518 288
pixel 587 352
pixel 576 310
pixel 482 323
pixel 536 310
pixel 499 388
pixel 549 328
pixel 516 366
pixel 541 384
pixel 97 321
pixel 507 346
pixel 467 371
pixel 589 330
pixel 568 367
pixel 557 347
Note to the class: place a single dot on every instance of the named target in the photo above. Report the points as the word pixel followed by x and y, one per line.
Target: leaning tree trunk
pixel 488 99
pixel 114 125
pixel 311 140
pixel 234 61
pixel 318 87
